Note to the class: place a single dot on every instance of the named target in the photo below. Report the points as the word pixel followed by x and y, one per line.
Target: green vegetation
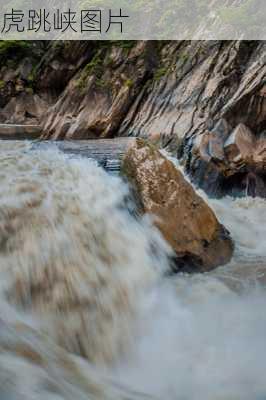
pixel 13 49
pixel 93 67
pixel 29 90
pixel 160 72
pixel 31 77
pixel 13 46
pixel 100 83
pixel 126 45
pixel 12 52
pixel 184 57
pixel 80 83
pixel 2 84
pixel 129 83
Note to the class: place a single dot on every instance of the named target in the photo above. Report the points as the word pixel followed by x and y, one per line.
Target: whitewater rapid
pixel 204 335
pixel 87 311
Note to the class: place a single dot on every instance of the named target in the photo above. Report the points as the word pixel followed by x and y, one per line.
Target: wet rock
pixel 239 147
pixel 60 63
pixel 259 153
pixel 171 89
pixel 100 95
pixel 254 185
pixel 216 140
pixel 236 160
pixel 18 64
pixel 187 223
pixel 27 108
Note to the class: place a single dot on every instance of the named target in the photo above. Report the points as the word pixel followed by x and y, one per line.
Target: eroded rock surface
pixel 184 219
pixel 174 93
pixel 97 99
pixel 233 157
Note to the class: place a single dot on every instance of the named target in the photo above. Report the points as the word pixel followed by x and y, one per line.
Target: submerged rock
pixel 187 223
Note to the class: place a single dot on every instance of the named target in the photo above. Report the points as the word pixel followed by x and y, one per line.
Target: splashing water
pixel 80 277
pixel 204 335
pixel 73 262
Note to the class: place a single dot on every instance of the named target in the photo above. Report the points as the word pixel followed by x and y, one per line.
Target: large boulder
pixel 239 147
pixel 230 161
pixel 187 223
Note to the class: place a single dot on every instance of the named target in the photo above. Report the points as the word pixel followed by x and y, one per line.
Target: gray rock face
pixel 174 92
pixel 101 94
pixel 26 108
pixel 237 156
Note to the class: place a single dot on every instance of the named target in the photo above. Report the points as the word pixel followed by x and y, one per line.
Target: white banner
pixel 133 20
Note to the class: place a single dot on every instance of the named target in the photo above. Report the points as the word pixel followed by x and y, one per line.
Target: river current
pixel 87 309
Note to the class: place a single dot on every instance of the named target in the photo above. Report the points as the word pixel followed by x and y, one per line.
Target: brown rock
pixel 233 164
pixel 184 219
pixel 259 155
pixel 240 145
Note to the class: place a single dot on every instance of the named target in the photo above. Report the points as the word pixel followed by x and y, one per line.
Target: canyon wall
pixel 191 97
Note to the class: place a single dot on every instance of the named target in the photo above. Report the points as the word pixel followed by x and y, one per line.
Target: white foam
pixel 189 338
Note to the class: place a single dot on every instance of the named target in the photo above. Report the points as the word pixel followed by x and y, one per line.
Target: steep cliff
pixel 173 91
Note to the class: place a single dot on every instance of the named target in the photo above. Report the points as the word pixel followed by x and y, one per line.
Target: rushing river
pixel 87 311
